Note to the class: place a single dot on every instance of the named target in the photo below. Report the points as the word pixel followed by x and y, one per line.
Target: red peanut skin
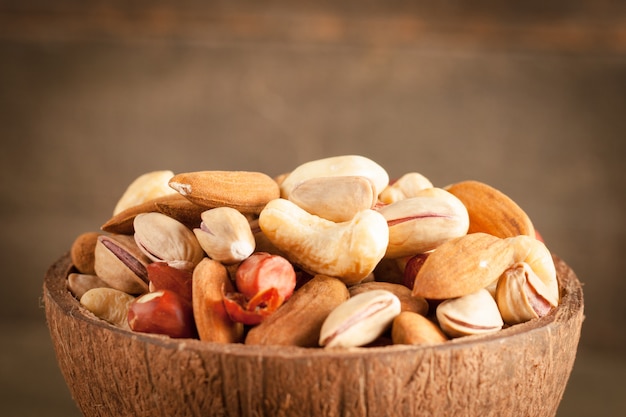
pixel 165 313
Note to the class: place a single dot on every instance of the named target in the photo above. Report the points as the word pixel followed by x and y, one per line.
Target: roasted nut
pixel 146 187
pixel 349 251
pixel 79 284
pixel 407 301
pixel 336 199
pixel 539 259
pixel 298 322
pixel 163 276
pixel 475 313
pixel 210 281
pixel 462 266
pixel 225 235
pixel 262 271
pixel 162 238
pixel 82 252
pixel 410 328
pixel 245 191
pixel 108 304
pixel 162 312
pixel 412 266
pixel 522 296
pixel 422 223
pixel 407 186
pixel 121 264
pixel 359 320
pixel 264 282
pixel 337 166
pixel 491 211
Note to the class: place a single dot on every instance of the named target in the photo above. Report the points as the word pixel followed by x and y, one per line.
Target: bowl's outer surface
pixel 520 371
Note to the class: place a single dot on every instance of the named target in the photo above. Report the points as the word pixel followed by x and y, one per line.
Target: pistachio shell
pixel 360 320
pixel 422 223
pixel 522 296
pixel 121 264
pixel 475 313
pixel 539 259
pixel 162 238
pixel 225 235
pixel 407 186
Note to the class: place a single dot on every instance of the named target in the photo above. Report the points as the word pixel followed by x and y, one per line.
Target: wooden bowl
pixel 519 371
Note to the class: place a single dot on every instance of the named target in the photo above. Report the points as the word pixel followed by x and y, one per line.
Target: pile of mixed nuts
pixel 330 254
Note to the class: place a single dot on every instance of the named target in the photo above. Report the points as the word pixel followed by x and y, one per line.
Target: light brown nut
pixel 422 223
pixel 144 188
pixel 225 235
pixel 178 207
pixel 82 252
pixel 108 304
pixel 245 191
pixel 349 250
pixel 539 259
pixel 475 313
pixel 522 296
pixel 407 186
pixel 298 322
pixel 122 222
pixel 359 320
pixel 462 266
pixel 410 328
pixel 336 166
pixel 210 281
pixel 407 301
pixel 79 284
pixel 491 211
pixel 121 264
pixel 162 312
pixel 336 199
pixel 162 238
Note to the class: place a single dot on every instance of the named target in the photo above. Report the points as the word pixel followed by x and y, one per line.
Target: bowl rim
pixel 571 305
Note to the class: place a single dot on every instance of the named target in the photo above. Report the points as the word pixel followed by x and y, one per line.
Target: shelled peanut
pixel 329 254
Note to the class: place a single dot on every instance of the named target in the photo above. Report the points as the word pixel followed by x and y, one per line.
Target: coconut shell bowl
pixel 521 370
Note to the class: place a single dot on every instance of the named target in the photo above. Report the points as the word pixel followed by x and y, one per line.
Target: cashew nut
pixel 349 250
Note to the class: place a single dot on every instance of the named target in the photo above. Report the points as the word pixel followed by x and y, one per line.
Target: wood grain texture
pixel 520 371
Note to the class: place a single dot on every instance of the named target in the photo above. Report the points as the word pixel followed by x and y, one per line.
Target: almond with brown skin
pixel 245 191
pixel 209 282
pixel 298 322
pixel 462 266
pixel 491 211
pixel 410 328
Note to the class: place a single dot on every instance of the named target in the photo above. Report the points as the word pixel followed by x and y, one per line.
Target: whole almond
pixel 462 266
pixel 245 191
pixel 491 211
pixel 209 282
pixel 298 322
pixel 410 328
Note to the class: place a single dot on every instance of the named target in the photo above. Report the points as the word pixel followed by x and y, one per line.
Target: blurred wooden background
pixel 529 97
